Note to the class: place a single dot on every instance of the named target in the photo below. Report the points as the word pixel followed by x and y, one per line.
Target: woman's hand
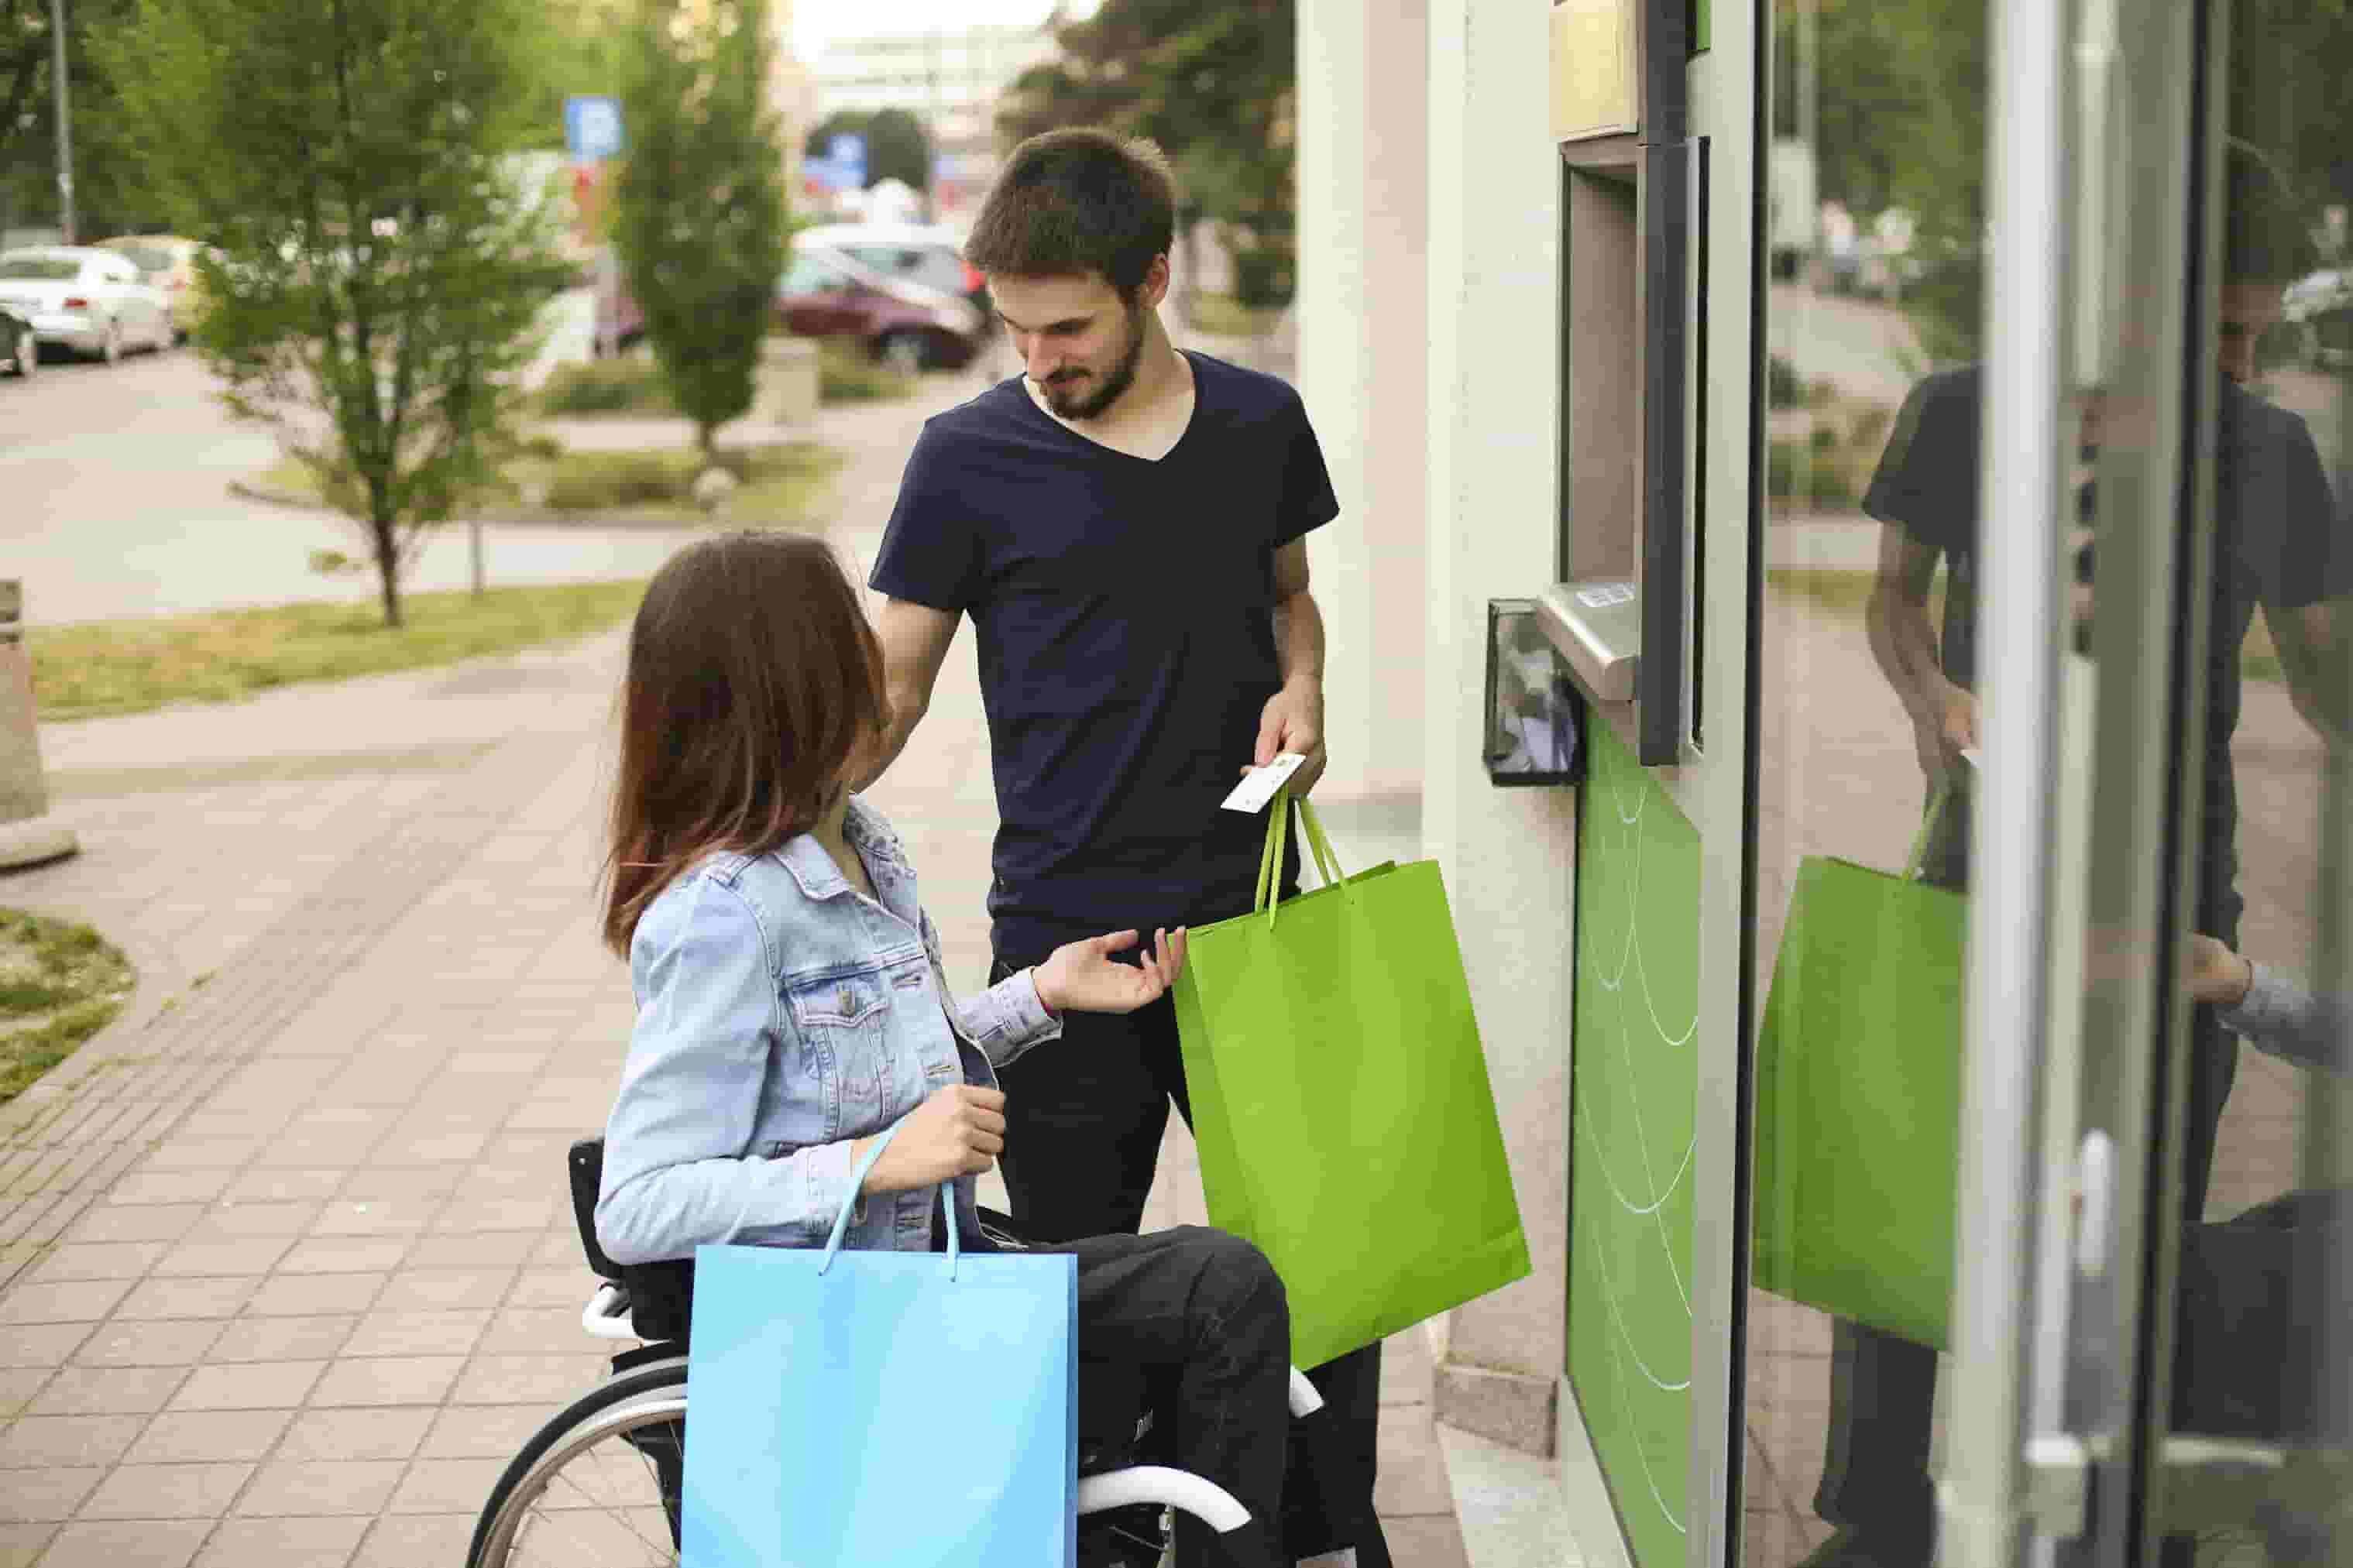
pixel 958 1131
pixel 1081 977
pixel 2214 973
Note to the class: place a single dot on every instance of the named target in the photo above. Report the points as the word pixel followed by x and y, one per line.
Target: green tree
pixel 699 214
pixel 382 261
pixel 1214 86
pixel 112 190
pixel 897 147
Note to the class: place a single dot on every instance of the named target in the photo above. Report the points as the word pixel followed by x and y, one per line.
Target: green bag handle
pixel 1939 799
pixel 1269 861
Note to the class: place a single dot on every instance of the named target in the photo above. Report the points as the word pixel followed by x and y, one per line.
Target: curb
pixel 270 496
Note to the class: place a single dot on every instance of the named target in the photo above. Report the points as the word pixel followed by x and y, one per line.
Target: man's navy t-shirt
pixel 1125 614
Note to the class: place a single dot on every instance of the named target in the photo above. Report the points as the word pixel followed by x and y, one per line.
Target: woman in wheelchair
pixel 792 1007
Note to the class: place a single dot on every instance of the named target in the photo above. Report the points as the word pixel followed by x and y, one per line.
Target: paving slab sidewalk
pixel 286 1269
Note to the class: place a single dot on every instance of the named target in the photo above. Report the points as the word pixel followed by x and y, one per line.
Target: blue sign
pixel 592 128
pixel 846 153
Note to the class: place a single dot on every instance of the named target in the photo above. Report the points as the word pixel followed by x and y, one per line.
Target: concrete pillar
pixel 1364 369
pixel 1492 418
pixel 27 836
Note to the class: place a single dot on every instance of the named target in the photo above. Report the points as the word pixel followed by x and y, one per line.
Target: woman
pixel 791 1008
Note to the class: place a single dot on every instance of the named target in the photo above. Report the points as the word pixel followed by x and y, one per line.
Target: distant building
pixel 949 78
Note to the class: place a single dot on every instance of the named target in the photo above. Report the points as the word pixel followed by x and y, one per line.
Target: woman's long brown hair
pixel 753 679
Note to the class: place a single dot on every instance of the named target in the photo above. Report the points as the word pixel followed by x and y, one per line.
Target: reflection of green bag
pixel 1858 1097
pixel 1340 1099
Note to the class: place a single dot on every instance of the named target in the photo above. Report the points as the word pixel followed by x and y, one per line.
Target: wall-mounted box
pixel 1595 70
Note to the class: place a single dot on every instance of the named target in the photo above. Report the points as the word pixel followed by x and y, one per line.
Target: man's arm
pixel 2318 667
pixel 1294 717
pixel 1903 642
pixel 915 639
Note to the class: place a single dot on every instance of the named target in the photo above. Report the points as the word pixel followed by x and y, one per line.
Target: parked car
pixel 904 323
pixel 931 257
pixel 168 262
pixel 19 350
pixel 84 300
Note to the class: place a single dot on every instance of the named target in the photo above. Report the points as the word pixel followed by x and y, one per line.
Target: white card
pixel 1257 788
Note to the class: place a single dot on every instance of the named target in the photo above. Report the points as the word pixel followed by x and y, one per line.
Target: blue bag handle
pixel 858 1180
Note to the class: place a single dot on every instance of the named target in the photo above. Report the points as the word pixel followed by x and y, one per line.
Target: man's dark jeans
pixel 1085 1117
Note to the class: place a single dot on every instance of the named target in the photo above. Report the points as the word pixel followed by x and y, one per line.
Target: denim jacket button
pixel 849 1002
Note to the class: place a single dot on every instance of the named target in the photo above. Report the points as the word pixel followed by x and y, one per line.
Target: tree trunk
pixel 387 567
pixel 706 436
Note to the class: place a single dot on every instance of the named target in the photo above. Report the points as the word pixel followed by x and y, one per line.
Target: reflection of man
pixel 2279 546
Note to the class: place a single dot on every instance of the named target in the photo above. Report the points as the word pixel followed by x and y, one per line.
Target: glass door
pixel 2149 1358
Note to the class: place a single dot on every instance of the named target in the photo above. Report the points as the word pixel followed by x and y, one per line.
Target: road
pixel 114 502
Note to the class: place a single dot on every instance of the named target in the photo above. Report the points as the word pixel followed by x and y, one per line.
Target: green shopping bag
pixel 1340 1099
pixel 1858 1097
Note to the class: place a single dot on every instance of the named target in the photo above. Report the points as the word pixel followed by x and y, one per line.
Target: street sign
pixel 592 128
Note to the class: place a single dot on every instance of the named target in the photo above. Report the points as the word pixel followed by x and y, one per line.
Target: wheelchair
pixel 598 1485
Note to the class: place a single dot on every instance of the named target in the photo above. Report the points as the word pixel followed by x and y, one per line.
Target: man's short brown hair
pixel 1077 201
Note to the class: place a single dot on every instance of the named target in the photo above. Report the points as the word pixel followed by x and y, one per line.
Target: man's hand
pixel 1293 720
pixel 2213 972
pixel 1082 977
pixel 958 1131
pixel 1960 719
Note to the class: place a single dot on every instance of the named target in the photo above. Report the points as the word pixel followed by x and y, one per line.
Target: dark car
pixel 18 352
pixel 902 321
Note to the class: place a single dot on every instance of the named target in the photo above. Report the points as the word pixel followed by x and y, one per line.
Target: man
pixel 2279 548
pixel 1125 524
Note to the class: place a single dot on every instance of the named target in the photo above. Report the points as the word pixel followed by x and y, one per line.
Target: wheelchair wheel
pixel 598 1487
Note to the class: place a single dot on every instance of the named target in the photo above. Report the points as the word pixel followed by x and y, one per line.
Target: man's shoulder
pixel 1251 396
pixel 990 415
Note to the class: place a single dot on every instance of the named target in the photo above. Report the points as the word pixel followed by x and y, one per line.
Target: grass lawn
pixel 128 666
pixel 633 384
pixel 1223 316
pixel 60 985
pixel 783 484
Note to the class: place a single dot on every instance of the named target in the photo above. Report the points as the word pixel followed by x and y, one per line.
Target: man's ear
pixel 1154 287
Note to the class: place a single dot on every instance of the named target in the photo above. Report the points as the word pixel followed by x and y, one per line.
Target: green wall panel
pixel 1631 1123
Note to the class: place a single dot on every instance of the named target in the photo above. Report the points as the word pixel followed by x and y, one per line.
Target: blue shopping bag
pixel 907 1409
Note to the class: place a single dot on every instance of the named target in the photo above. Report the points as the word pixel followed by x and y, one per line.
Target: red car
pixel 904 324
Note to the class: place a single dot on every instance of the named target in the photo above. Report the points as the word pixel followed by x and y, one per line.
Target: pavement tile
pixel 306 1295
pixel 21 1545
pixel 405 1541
pixel 107 1391
pixel 500 1213
pixel 184 1437
pixel 40 1344
pixel 242 1255
pixel 400 1183
pixel 483 1431
pixel 169 1187
pixel 202 1154
pixel 179 1341
pixel 549 1380
pixel 310 1183
pixel 127 1543
pixel 233 1221
pixel 378 1433
pixel 417 1289
pixel 446 1485
pixel 555 1286
pixel 560 1245
pixel 313 1338
pixel 65 1302
pixel 136 1222
pixel 32 1497
pixel 1426 1541
pixel 312 1149
pixel 166 1491
pixel 387 1380
pixel 249 1385
pixel 429 1148
pixel 375 1216
pixel 533 1330
pixel 1412 1474
pixel 18 1385
pixel 343 1255
pixel 96 1260
pixel 316 1486
pixel 52 1442
pixel 475 1249
pixel 223 1297
pixel 419 1333
pixel 283 1543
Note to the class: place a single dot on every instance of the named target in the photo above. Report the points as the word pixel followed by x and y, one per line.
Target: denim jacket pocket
pixel 843 1019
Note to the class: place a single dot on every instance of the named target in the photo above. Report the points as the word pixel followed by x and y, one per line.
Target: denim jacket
pixel 781 1014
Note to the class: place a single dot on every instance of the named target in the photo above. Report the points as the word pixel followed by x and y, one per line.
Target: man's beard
pixel 1115 382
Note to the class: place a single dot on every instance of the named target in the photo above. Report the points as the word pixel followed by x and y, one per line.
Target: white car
pixel 90 301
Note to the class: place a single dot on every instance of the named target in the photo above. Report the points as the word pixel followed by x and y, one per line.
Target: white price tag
pixel 1257 788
